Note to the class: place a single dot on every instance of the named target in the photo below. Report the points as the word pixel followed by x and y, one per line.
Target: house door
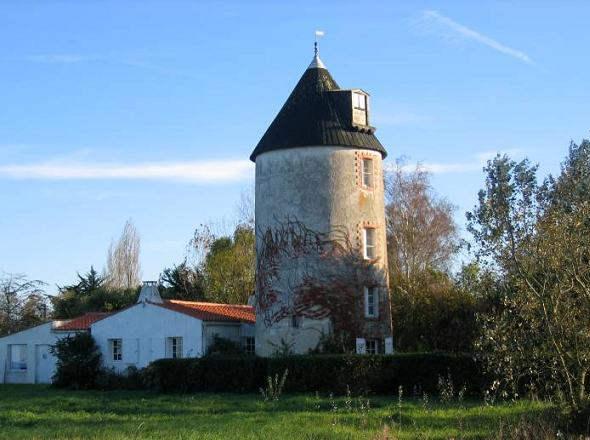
pixel 44 364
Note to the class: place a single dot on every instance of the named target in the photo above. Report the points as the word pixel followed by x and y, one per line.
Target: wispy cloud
pixel 192 172
pixel 437 21
pixel 135 63
pixel 62 58
pixel 475 164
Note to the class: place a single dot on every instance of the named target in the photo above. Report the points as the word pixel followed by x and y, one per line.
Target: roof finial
pixel 315 45
pixel 317 63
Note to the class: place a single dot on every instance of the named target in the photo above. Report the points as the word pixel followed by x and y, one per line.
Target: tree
pixel 78 361
pixel 429 311
pixel 22 303
pixel 421 232
pixel 90 294
pixel 183 282
pixel 229 267
pixel 537 238
pixel 123 268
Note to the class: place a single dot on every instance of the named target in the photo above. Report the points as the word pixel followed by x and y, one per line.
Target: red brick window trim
pixel 368 239
pixel 367 175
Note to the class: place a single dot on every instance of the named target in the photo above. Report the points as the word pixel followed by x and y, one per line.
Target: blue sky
pixel 149 110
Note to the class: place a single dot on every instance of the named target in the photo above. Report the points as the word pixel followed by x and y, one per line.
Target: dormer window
pixel 360 101
pixel 359 108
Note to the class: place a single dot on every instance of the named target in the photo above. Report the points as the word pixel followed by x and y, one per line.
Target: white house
pixel 154 328
pixel 25 356
pixel 148 330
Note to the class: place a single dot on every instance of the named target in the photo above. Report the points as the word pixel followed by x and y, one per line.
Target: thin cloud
pixel 192 172
pixel 447 24
pixel 476 164
pixel 60 58
pixel 114 59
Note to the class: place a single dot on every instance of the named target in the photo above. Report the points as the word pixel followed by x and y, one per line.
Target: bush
pixel 224 346
pixel 131 379
pixel 78 362
pixel 381 374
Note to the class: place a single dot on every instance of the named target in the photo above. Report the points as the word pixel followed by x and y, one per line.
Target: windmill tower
pixel 319 174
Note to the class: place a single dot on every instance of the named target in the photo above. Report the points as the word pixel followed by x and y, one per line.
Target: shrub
pixel 224 346
pixel 131 379
pixel 78 362
pixel 382 374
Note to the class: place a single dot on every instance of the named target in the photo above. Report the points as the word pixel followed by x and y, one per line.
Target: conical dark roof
pixel 312 116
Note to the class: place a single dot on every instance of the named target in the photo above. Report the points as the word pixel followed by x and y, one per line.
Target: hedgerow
pixel 379 374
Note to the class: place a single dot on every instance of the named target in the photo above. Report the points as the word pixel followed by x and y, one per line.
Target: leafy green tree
pixel 429 312
pixel 90 294
pixel 78 362
pixel 537 239
pixel 183 282
pixel 229 267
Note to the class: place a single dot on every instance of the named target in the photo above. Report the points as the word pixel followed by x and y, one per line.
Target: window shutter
pixel 389 345
pixel 361 346
pixel 131 350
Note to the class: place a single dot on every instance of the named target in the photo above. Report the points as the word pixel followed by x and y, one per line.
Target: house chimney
pixel 149 293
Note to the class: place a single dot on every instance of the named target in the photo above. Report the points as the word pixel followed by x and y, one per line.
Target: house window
pixel 295 321
pixel 174 347
pixel 371 302
pixel 367 177
pixel 372 346
pixel 116 349
pixel 249 344
pixel 18 357
pixel 369 243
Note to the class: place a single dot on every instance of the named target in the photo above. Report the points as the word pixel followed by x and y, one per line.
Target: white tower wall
pixel 319 186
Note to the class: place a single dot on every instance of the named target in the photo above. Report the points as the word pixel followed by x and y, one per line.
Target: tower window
pixel 369 243
pixel 359 109
pixel 371 302
pixel 367 178
pixel 359 101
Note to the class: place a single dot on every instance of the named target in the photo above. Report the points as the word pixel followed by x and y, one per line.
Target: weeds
pixel 274 387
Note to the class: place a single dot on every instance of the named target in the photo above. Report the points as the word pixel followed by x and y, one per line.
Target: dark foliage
pixel 78 362
pixel 224 346
pixel 90 295
pixel 183 282
pixel 131 379
pixel 415 372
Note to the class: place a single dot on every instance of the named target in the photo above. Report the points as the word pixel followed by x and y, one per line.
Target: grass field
pixel 34 412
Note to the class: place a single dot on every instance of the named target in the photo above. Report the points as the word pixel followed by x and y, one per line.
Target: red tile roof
pixel 82 322
pixel 212 311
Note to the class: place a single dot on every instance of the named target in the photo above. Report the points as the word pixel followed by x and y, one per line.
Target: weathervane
pixel 315 45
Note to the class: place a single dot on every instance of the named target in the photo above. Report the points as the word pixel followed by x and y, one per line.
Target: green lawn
pixel 33 412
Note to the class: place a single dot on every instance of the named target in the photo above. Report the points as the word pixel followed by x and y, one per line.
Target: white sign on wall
pixel 361 346
pixel 389 345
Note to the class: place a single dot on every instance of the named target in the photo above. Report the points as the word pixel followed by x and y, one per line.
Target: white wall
pixel 40 363
pixel 144 329
pixel 319 186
